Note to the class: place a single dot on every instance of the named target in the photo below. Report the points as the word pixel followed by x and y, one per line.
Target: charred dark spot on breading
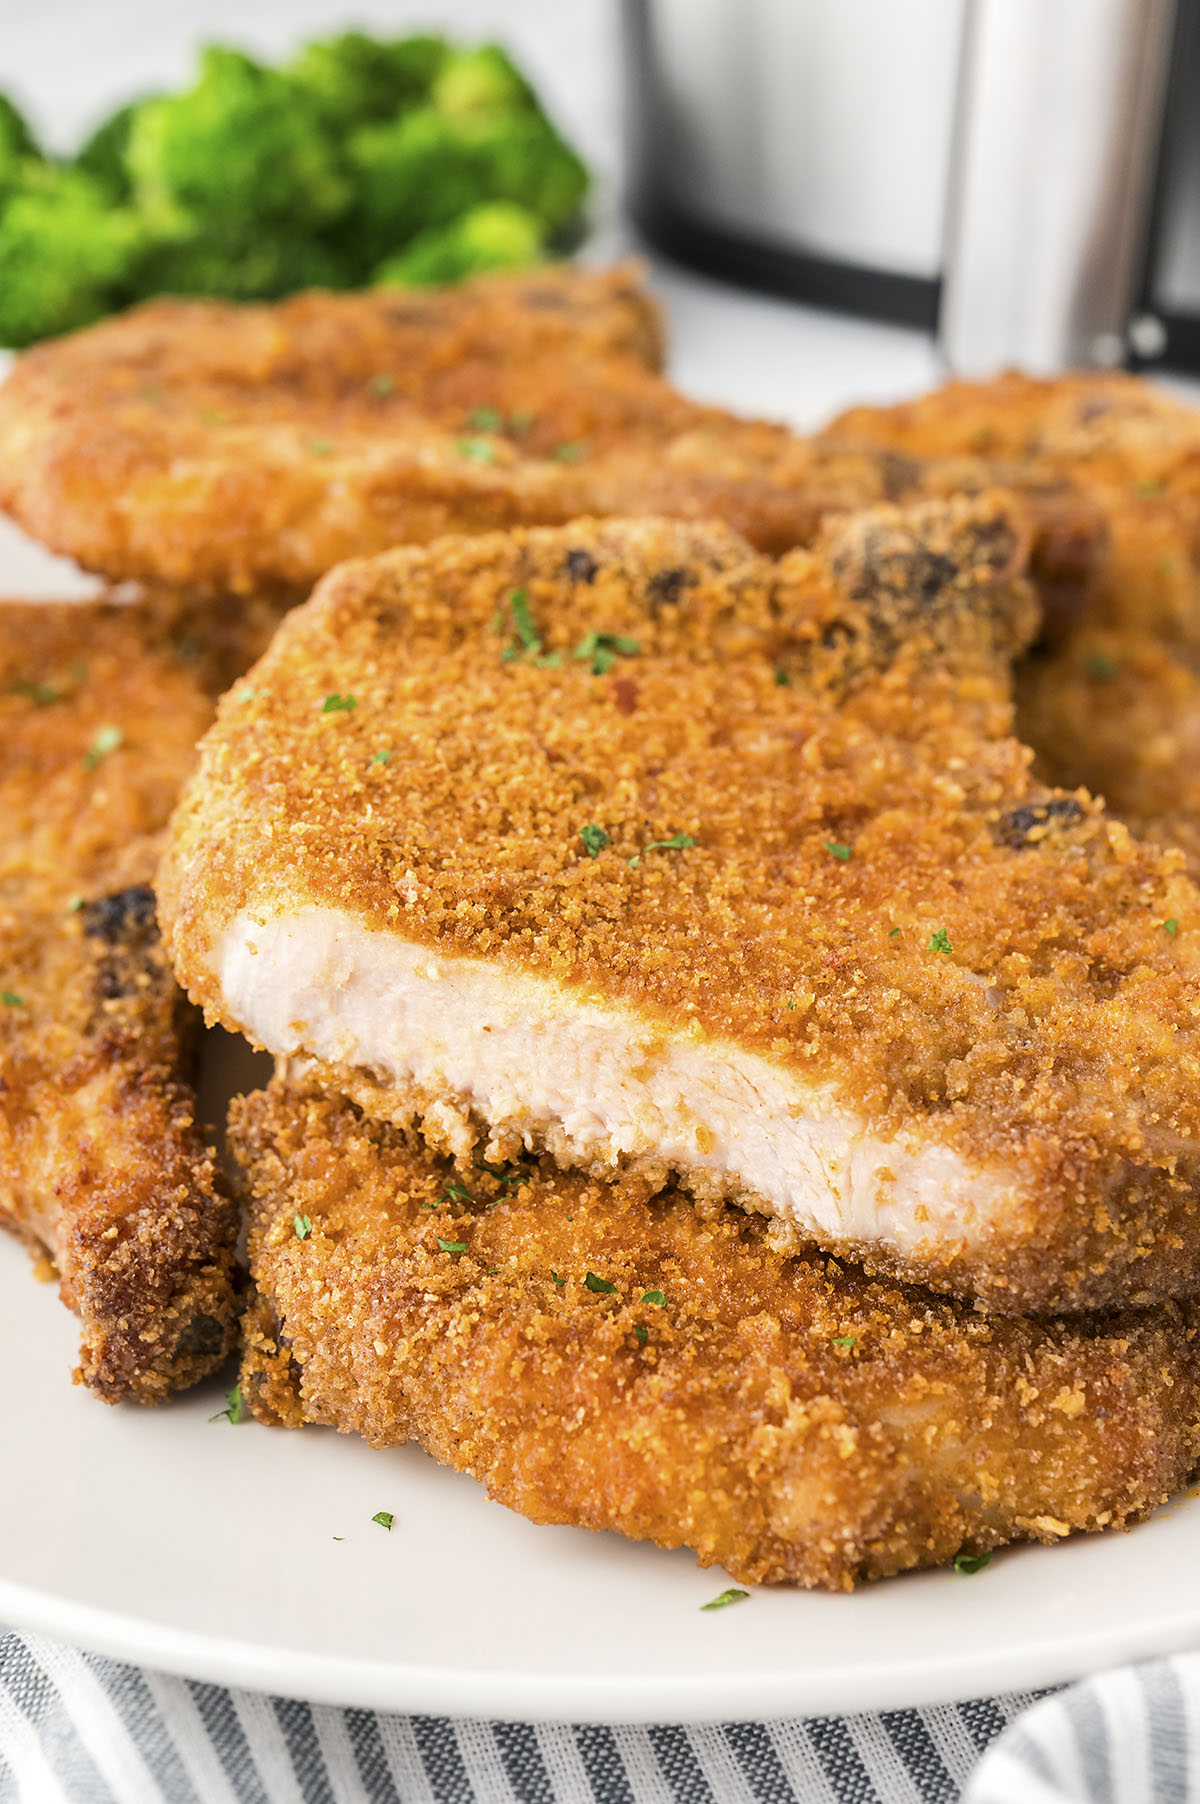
pixel 204 1335
pixel 891 568
pixel 666 586
pixel 117 917
pixel 581 566
pixel 1026 825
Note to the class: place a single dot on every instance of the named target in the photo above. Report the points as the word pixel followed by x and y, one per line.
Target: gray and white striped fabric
pixel 78 1729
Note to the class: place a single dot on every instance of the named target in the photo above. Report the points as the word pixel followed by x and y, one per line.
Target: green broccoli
pixel 244 265
pixel 411 174
pixel 473 85
pixel 64 253
pixel 241 146
pixel 523 159
pixel 353 80
pixel 496 235
pixel 104 154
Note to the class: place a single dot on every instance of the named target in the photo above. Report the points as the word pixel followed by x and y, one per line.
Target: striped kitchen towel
pixel 78 1729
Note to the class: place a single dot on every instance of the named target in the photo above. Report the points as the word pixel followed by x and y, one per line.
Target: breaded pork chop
pixel 224 446
pixel 102 1162
pixel 600 1355
pixel 625 843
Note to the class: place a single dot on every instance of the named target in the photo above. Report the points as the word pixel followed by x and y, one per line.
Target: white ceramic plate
pixel 187 1544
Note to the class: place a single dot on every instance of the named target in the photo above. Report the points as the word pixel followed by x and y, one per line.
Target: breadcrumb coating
pixel 240 447
pixel 598 1355
pixel 879 895
pixel 102 1163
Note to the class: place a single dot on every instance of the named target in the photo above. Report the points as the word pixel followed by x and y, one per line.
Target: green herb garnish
pixel 188 650
pixel 594 840
pixel 1150 485
pixel 453 1246
pixel 1101 666
pixel 11 999
pixel 840 851
pixel 782 679
pixel 968 1563
pixel 235 1407
pixel 656 1297
pixel 321 447
pixel 604 649
pixel 555 1279
pixel 383 757
pixel 384 1518
pixel 724 1598
pixel 486 419
pixel 339 704
pixel 41 694
pixel 894 934
pixel 601 1286
pixel 678 843
pixel 106 740
pixel 74 905
pixel 302 1226
pixel 1171 927
pixel 940 941
pixel 382 384
pixel 456 1193
pixel 478 450
pixel 569 454
pixel 526 632
pixel 844 1340
pixel 643 1334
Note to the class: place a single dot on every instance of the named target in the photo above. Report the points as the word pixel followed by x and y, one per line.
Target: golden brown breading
pixel 102 1162
pixel 883 918
pixel 208 444
pixel 598 1355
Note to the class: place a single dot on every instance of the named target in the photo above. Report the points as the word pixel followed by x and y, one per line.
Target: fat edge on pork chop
pixel 625 843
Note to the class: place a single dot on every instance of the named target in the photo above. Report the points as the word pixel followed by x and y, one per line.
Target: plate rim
pixel 958 1676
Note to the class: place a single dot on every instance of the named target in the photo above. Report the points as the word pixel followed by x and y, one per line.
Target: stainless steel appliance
pixel 1023 175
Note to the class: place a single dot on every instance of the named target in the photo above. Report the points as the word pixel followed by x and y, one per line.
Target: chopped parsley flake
pixel 601 1286
pixel 383 757
pixel 384 1518
pixel 782 679
pixel 1171 927
pixel 502 1174
pixel 894 934
pixel 839 851
pixel 11 999
pixel 844 1340
pixel 555 1279
pixel 678 843
pixel 724 1598
pixel 456 1193
pixel 382 384
pixel 486 419
pixel 643 1334
pixel 656 1297
pixel 74 905
pixel 1101 666
pixel 527 633
pixel 235 1407
pixel 188 650
pixel 453 1246
pixel 321 447
pixel 40 694
pixel 302 1224
pixel 339 1537
pixel 477 450
pixel 106 740
pixel 968 1563
pixel 940 941
pixel 569 454
pixel 594 840
pixel 429 1205
pixel 790 1003
pixel 339 704
pixel 1149 485
pixel 604 649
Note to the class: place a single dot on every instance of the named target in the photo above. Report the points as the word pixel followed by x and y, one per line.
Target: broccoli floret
pixel 411 174
pixel 523 159
pixel 354 80
pixel 16 139
pixel 64 253
pixel 245 266
pixel 481 84
pixel 496 235
pixel 104 155
pixel 241 146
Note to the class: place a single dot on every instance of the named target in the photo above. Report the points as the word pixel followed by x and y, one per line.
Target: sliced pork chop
pixel 232 447
pixel 597 1354
pixel 103 1164
pixel 625 843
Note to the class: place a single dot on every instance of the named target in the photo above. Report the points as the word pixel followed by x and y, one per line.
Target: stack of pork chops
pixel 725 1091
